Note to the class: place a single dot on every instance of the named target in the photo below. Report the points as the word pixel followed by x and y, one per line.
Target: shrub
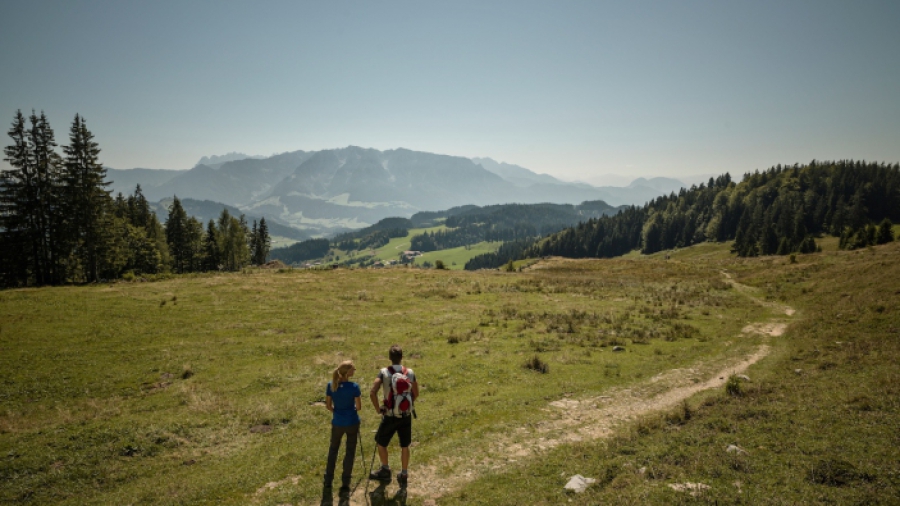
pixel 439 264
pixel 832 472
pixel 733 386
pixel 536 364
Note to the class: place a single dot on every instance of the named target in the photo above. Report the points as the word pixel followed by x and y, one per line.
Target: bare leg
pixel 404 458
pixel 383 455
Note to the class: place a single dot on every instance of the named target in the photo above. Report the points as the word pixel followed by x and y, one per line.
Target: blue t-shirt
pixel 344 402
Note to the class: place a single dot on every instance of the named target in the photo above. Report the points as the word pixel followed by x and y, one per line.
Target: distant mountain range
pixel 330 191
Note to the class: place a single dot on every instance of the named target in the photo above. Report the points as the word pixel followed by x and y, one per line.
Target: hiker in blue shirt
pixel 342 398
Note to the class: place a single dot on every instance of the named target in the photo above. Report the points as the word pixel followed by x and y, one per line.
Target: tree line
pixel 506 222
pixel 778 211
pixel 59 224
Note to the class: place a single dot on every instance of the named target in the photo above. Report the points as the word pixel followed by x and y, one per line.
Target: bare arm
pixel 358 404
pixel 373 394
pixel 415 390
pixel 329 404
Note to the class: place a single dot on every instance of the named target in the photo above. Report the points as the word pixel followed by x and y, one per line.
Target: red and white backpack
pixel 399 401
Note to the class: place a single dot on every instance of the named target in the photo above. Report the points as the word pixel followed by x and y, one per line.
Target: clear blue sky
pixel 570 88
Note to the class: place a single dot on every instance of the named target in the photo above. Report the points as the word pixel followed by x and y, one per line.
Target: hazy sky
pixel 575 89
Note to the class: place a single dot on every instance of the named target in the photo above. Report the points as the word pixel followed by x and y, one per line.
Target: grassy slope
pixel 456 258
pixel 820 420
pixel 94 408
pixel 397 245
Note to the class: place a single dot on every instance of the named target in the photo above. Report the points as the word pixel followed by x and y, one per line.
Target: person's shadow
pixel 378 497
pixel 328 498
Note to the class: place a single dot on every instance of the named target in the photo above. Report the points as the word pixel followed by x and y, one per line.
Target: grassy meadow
pixel 455 258
pixel 207 389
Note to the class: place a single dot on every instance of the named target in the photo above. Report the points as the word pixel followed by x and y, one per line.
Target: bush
pixel 832 472
pixel 536 364
pixel 733 386
pixel 439 264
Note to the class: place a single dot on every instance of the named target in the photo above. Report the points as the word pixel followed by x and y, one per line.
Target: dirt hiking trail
pixel 571 420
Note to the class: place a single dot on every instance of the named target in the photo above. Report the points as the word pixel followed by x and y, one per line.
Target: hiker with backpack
pixel 343 399
pixel 400 391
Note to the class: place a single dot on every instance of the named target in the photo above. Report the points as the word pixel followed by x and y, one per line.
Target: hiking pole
pixel 372 463
pixel 362 458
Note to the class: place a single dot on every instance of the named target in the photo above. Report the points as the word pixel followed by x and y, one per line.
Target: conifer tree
pixel 177 237
pixel 17 241
pixel 254 236
pixel 194 230
pixel 49 215
pixel 262 243
pixel 30 204
pixel 87 204
pixel 885 232
pixel 212 258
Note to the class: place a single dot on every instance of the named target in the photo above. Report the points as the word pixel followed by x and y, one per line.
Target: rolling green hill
pixel 207 388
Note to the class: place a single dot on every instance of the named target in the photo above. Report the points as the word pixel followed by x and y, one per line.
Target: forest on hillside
pixel 507 222
pixel 59 224
pixel 778 211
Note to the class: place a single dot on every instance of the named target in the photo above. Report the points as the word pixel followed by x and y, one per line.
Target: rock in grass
pixel 618 348
pixel 694 489
pixel 743 377
pixel 735 449
pixel 578 483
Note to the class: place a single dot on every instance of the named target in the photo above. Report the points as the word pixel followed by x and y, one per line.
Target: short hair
pixel 396 354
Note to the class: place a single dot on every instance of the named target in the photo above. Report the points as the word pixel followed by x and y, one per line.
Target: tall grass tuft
pixel 733 386
pixel 536 364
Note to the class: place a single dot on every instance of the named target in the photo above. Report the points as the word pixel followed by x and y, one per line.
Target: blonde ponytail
pixel 340 374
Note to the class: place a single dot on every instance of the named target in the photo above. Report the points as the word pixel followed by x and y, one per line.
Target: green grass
pixel 397 245
pixel 819 420
pixel 456 258
pixel 96 408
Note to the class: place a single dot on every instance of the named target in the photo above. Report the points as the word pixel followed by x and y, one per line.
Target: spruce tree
pixel 263 242
pixel 885 232
pixel 30 204
pixel 211 255
pixel 254 237
pixel 17 241
pixel 49 216
pixel 87 204
pixel 177 237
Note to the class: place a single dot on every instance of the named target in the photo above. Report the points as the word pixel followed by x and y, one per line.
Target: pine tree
pixel 17 241
pixel 885 232
pixel 212 258
pixel 49 217
pixel 254 237
pixel 30 202
pixel 768 243
pixel 177 237
pixel 86 203
pixel 262 243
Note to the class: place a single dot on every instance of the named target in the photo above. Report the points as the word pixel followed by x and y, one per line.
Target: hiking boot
pixel 401 479
pixel 344 491
pixel 383 475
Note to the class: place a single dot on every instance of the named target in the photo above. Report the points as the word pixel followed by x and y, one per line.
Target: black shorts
pixel 391 424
